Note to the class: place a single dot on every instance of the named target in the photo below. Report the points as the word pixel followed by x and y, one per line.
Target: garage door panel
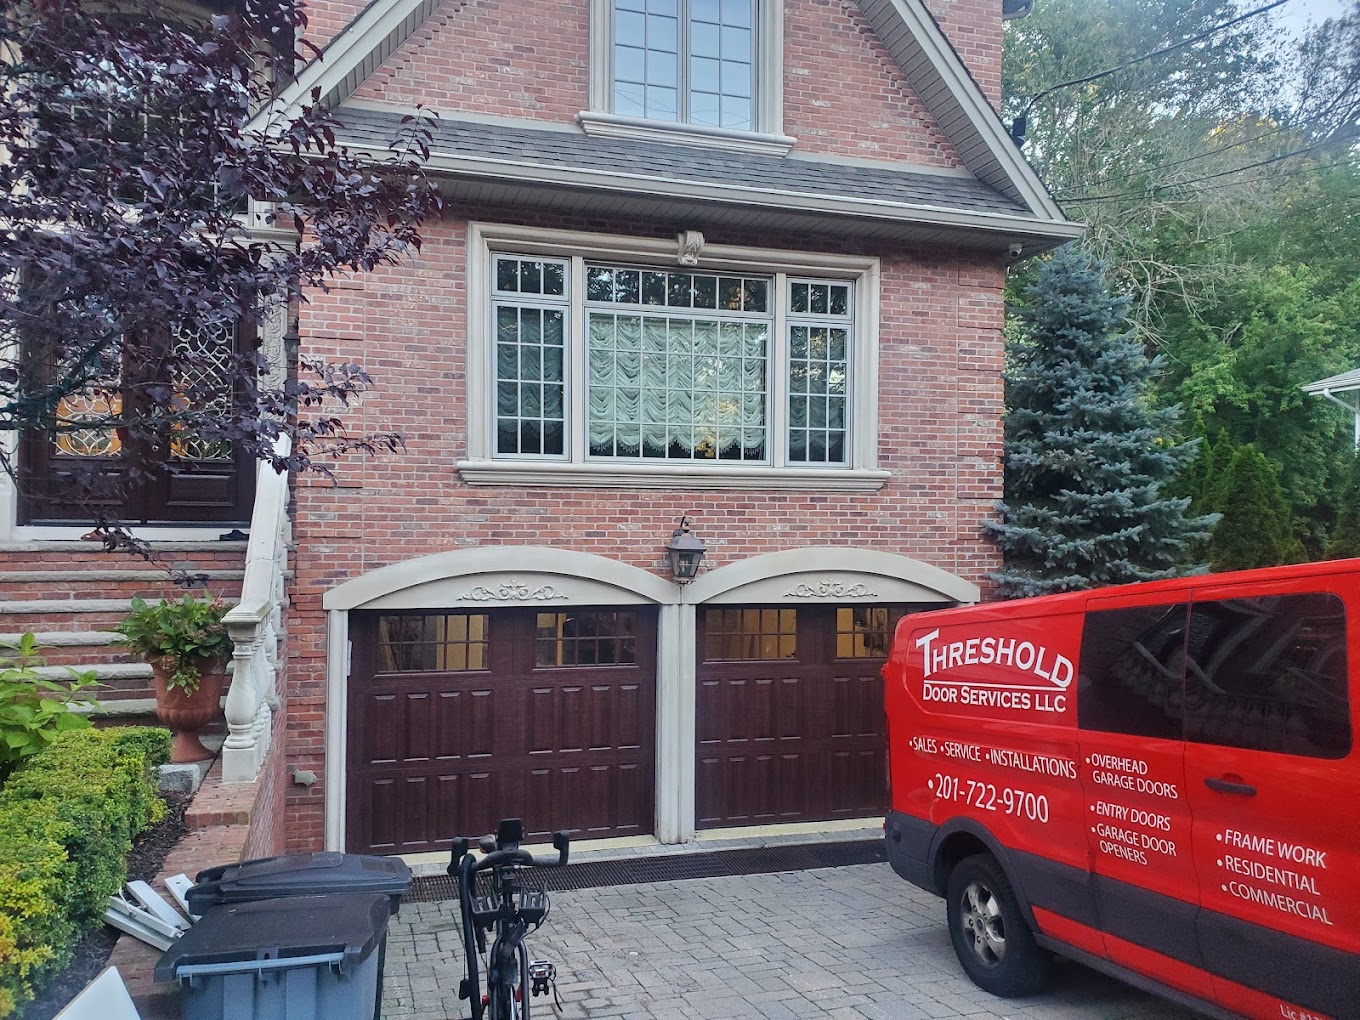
pixel 628 712
pixel 380 735
pixel 568 745
pixel 857 706
pixel 797 735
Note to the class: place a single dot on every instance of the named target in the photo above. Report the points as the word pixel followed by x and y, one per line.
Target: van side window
pixel 1132 661
pixel 1269 674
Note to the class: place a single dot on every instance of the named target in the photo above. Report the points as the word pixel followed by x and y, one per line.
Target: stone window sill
pixel 608 125
pixel 669 476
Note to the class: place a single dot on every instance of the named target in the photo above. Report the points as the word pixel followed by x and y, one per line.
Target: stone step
pixel 55 585
pixel 91 555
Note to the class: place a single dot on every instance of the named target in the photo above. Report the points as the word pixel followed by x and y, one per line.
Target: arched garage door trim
pixel 480 575
pixel 826 574
pixel 489 576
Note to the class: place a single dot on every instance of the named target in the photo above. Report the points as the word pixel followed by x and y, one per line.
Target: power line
pixel 1214 176
pixel 1018 124
pixel 1188 159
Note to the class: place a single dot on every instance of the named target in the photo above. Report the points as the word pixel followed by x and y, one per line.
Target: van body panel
pixel 1166 772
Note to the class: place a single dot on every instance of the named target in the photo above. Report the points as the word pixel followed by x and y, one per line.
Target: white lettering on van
pixel 1025 656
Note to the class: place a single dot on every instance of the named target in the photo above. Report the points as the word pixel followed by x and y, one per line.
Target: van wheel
pixel 990 936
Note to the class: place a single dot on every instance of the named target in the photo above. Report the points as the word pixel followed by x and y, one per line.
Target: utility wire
pixel 1018 124
pixel 1222 173
pixel 1188 159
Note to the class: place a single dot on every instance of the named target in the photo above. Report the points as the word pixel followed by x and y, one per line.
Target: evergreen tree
pixel 1346 541
pixel 1256 529
pixel 1087 455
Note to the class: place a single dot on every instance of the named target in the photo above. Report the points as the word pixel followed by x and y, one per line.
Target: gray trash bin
pixel 308 874
pixel 295 958
pixel 305 874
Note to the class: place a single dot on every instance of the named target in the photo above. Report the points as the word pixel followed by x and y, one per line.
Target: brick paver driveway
pixel 840 943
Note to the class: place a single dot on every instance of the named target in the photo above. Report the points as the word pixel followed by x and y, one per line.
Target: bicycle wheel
pixel 509 995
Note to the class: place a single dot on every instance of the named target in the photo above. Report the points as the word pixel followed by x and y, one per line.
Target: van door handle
pixel 1229 786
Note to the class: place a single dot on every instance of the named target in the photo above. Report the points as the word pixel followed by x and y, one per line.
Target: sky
pixel 1295 15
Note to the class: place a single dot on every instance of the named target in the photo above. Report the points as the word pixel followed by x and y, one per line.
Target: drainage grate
pixel 678 867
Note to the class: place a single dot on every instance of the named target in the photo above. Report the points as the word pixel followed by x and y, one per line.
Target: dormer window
pixel 686 61
pixel 701 72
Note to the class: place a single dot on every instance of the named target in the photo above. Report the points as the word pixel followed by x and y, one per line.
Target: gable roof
pixel 502 163
pixel 913 37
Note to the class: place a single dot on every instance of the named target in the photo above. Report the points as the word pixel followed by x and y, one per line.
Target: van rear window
pixel 1266 673
pixel 1269 674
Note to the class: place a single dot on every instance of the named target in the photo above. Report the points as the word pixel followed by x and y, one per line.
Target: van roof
pixel 1064 601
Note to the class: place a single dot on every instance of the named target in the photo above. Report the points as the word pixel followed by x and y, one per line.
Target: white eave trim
pixel 965 91
pixel 609 125
pixel 362 37
pixel 670 476
pixel 638 184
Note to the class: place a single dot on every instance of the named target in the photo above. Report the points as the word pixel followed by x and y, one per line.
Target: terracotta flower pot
pixel 187 713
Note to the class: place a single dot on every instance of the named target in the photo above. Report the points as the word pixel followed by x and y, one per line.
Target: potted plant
pixel 187 646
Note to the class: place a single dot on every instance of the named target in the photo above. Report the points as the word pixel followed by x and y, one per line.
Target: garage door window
pixel 588 638
pixel 750 634
pixel 426 643
pixel 862 632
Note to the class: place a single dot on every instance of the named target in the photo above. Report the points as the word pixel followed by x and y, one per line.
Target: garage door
pixel 790 713
pixel 460 718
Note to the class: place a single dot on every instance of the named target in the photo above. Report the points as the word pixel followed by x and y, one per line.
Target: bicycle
pixel 501 901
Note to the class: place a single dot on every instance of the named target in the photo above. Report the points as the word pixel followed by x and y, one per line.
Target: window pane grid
pixel 432 643
pixel 674 365
pixel 745 634
pixel 685 60
pixel 530 324
pixel 590 638
pixel 862 632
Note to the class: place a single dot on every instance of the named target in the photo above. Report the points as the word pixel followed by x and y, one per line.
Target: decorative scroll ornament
pixel 691 243
pixel 513 591
pixel 831 589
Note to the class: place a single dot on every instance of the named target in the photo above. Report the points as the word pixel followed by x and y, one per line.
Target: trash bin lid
pixel 308 874
pixel 297 926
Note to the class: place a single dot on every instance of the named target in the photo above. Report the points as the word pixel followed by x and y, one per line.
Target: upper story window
pixel 702 72
pixel 606 362
pixel 691 61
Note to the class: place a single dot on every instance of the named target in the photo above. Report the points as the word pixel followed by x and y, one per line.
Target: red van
pixel 1159 780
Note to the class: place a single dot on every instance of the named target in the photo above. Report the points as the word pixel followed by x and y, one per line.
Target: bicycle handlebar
pixel 509 855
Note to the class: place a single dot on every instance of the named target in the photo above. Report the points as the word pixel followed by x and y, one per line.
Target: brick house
pixel 739 261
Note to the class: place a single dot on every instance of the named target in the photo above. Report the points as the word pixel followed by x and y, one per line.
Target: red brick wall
pixel 974 28
pixel 939 435
pixel 843 94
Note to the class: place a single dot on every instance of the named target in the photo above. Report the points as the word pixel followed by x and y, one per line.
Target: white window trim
pixel 767 139
pixel 862 473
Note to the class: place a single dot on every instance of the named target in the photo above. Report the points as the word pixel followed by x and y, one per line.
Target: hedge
pixel 67 818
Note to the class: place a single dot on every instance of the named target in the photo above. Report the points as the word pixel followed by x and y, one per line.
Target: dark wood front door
pixel 83 474
pixel 790 713
pixel 460 718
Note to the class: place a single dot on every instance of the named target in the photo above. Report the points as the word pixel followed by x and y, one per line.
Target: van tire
pixel 991 937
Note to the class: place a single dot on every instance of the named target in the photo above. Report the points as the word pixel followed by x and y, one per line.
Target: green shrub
pixel 33 708
pixel 63 846
pixel 184 637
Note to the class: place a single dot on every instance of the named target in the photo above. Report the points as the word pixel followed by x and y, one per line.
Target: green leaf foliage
pixel 63 846
pixel 185 637
pixel 33 707
pixel 1086 454
pixel 1346 539
pixel 1256 529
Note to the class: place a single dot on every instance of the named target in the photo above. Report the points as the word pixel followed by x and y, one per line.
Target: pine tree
pixel 1346 541
pixel 1256 530
pixel 1087 456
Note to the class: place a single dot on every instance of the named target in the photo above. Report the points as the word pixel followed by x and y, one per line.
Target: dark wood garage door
pixel 460 718
pixel 790 713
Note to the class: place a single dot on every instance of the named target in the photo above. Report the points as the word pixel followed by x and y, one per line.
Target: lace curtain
pixel 662 386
